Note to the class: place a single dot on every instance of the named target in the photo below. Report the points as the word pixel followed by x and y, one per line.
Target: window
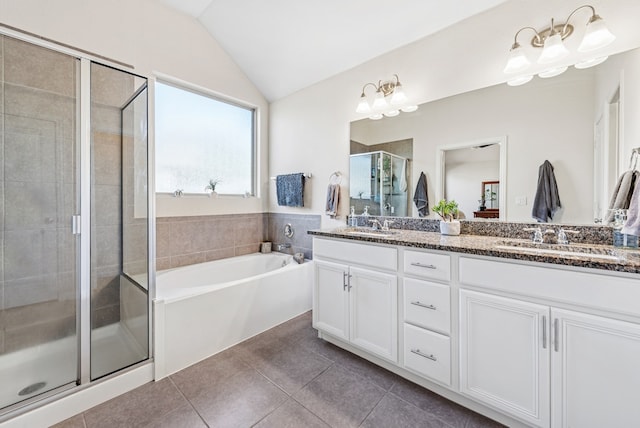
pixel 200 138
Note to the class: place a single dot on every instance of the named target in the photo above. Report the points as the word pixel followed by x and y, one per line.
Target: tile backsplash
pixel 182 241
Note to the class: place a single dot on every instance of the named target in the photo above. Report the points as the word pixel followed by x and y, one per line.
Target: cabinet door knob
pixel 422 354
pixel 423 305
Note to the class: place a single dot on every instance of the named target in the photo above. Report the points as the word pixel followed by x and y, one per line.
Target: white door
pixel 595 371
pixel 374 312
pixel 504 355
pixel 331 298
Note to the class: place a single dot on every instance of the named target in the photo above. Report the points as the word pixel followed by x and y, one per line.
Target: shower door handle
pixel 76 221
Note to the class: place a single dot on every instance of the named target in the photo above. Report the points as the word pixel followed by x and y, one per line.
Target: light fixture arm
pixel 515 38
pixel 365 86
pixel 594 16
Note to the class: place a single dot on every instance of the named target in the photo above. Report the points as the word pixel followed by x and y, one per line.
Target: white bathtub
pixel 202 309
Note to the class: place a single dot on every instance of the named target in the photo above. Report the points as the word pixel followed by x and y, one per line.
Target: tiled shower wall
pixel 182 241
pixel 37 248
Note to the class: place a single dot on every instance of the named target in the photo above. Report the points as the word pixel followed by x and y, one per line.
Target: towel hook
pixel 335 178
pixel 633 162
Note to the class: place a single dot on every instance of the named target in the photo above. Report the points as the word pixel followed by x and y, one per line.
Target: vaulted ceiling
pixel 286 45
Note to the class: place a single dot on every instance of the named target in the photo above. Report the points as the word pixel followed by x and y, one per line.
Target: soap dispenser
pixel 618 222
pixel 353 221
pixel 621 239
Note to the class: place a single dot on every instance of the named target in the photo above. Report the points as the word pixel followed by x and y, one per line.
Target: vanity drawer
pixel 427 304
pixel 427 265
pixel 375 256
pixel 427 353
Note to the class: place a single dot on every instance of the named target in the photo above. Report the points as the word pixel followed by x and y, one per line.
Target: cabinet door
pixel 331 299
pixel 374 312
pixel 504 355
pixel 595 371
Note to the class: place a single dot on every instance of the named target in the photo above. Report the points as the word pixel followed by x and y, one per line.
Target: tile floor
pixel 286 378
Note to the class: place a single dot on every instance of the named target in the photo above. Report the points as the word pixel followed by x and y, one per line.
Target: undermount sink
pixel 558 249
pixel 367 231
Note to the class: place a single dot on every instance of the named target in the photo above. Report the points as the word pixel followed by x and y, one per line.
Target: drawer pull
pixel 429 357
pixel 423 305
pixel 422 265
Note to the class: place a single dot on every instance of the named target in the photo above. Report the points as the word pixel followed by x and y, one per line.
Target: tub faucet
pixel 285 245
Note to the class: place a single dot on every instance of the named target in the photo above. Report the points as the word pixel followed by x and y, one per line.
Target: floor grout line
pixel 373 408
pixel 188 401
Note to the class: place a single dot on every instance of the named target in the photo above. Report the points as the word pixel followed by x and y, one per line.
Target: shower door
pixel 39 195
pixel 74 217
pixel 119 221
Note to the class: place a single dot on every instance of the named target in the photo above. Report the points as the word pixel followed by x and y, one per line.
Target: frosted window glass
pixel 199 138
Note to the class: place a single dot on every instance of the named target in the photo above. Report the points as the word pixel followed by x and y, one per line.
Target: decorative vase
pixel 450 227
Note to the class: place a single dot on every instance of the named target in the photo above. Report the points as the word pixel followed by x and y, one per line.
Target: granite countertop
pixel 605 257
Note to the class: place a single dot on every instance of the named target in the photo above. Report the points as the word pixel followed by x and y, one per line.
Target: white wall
pixel 310 129
pixel 625 73
pixel 152 38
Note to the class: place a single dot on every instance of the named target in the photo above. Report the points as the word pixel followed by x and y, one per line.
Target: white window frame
pixel 203 91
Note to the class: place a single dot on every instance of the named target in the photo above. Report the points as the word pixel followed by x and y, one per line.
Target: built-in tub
pixel 202 309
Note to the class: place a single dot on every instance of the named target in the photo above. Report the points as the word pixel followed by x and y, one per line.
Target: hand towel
pixel 547 200
pixel 420 197
pixel 632 225
pixel 622 193
pixel 403 177
pixel 333 198
pixel 290 190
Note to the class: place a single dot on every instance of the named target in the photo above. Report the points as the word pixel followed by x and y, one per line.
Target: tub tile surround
pixel 255 384
pixel 183 241
pixel 301 241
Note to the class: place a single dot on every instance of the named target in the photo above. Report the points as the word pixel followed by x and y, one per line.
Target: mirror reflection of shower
pixel 379 180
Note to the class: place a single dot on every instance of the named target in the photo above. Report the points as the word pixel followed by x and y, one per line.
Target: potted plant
pixel 211 187
pixel 488 195
pixel 448 212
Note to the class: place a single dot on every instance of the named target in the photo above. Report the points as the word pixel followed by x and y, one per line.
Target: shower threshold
pixel 32 371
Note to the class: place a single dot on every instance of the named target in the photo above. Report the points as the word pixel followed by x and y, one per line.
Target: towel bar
pixel 306 175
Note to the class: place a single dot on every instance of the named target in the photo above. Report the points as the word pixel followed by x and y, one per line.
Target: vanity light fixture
pixel 389 100
pixel 551 40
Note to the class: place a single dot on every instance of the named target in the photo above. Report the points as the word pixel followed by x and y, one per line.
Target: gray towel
pixel 632 226
pixel 333 198
pixel 290 190
pixel 420 197
pixel 547 200
pixel 621 196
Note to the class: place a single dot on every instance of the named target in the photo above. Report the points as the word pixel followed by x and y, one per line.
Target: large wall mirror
pixel 584 122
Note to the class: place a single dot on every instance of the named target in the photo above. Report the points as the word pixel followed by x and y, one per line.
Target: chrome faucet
pixel 537 234
pixel 376 225
pixel 562 235
pixel 281 246
pixel 386 224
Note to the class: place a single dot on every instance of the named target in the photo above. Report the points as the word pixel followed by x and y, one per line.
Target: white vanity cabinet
pixel 546 365
pixel 427 315
pixel 504 354
pixel 528 344
pixel 595 371
pixel 356 303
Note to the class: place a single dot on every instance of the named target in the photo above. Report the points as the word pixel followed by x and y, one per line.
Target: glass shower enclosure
pixel 379 182
pixel 74 241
